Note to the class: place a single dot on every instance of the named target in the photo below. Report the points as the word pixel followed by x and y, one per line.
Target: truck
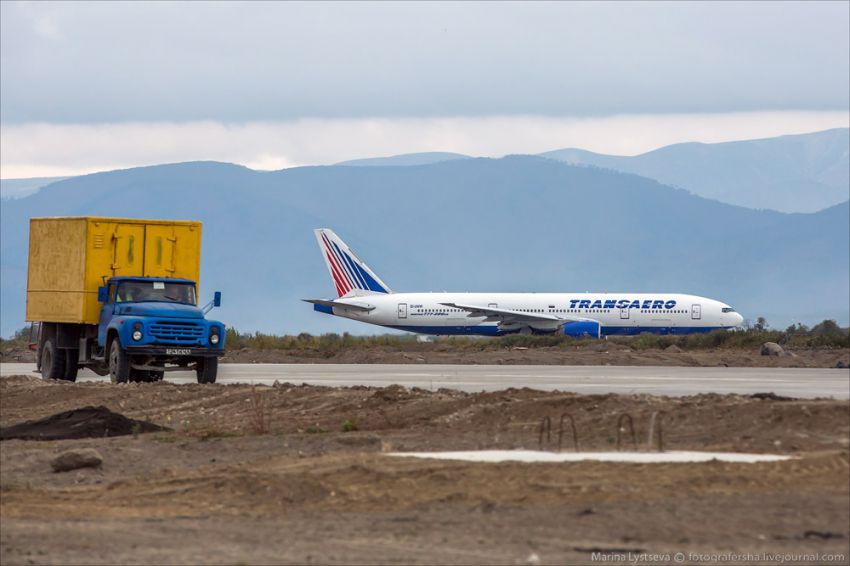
pixel 119 296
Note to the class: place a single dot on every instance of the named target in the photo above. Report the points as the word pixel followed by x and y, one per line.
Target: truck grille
pixel 177 331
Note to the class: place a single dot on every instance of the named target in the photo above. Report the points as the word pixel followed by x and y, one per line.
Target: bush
pixel 826 334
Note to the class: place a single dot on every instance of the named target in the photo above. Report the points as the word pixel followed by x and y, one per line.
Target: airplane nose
pixel 739 320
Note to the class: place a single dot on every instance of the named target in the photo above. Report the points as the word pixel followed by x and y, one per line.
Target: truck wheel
pixel 139 376
pixel 72 359
pixel 119 363
pixel 52 361
pixel 207 370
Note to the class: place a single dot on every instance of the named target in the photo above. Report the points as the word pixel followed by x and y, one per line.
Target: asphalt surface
pixel 675 381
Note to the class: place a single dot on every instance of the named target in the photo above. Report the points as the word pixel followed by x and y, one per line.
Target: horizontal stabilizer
pixel 340 305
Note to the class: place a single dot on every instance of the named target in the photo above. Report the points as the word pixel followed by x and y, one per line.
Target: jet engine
pixel 583 328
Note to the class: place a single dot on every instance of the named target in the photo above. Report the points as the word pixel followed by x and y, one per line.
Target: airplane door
pixel 696 312
pixel 624 314
pixel 493 306
pixel 402 310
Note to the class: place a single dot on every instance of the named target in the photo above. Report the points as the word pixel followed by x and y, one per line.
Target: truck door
pixel 128 249
pixel 696 312
pixel 172 251
pixel 160 246
pixel 106 313
pixel 402 310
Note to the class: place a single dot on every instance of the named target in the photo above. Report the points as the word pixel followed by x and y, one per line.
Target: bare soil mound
pixel 87 422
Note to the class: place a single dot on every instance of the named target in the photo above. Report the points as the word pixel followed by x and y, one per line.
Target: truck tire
pixel 139 376
pixel 72 359
pixel 119 362
pixel 207 370
pixel 52 360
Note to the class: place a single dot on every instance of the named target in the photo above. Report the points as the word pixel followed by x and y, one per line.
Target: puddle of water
pixel 633 457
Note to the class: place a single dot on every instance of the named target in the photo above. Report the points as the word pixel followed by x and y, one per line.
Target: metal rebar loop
pixel 655 423
pixel 561 431
pixel 625 417
pixel 545 427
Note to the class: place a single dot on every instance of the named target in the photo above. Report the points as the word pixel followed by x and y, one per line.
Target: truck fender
pixel 111 334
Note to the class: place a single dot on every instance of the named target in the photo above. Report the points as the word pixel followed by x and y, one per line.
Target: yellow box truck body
pixel 70 257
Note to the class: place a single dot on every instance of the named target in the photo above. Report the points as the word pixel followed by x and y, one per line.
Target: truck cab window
pixel 141 291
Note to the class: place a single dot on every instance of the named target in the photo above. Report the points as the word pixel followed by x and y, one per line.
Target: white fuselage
pixel 616 313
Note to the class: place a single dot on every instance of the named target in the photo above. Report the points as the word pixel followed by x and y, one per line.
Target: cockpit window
pixel 727 309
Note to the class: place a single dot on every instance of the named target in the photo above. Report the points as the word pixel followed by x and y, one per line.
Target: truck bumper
pixel 175 351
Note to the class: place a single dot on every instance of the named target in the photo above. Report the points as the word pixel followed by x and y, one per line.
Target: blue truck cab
pixel 147 323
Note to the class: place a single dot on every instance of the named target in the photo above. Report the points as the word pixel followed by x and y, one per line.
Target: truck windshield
pixel 137 291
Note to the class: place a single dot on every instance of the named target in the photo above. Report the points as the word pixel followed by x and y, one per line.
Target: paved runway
pixel 791 382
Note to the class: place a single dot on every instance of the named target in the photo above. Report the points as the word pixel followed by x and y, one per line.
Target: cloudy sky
pixel 92 86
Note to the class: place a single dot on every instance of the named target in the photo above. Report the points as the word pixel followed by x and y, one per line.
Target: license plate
pixel 178 352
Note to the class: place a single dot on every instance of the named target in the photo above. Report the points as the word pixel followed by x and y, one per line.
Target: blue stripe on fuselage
pixel 635 330
pixel 479 330
pixel 493 330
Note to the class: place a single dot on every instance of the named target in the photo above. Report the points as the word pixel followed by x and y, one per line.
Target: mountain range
pixel 798 173
pixel 520 223
pixel 406 159
pixel 17 188
pixel 794 173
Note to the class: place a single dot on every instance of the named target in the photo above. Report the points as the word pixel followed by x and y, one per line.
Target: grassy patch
pixel 827 334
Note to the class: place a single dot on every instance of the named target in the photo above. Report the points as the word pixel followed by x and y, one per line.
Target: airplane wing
pixel 338 304
pixel 513 315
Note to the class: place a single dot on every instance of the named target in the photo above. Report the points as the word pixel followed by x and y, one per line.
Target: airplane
pixel 363 296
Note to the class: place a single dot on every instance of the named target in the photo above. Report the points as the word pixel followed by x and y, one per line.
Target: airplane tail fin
pixel 350 275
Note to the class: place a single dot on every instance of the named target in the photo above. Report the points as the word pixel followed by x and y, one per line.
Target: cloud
pixel 42 18
pixel 258 61
pixel 42 149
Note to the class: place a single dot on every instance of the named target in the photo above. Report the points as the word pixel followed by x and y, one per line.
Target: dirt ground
pixel 595 355
pixel 601 353
pixel 303 474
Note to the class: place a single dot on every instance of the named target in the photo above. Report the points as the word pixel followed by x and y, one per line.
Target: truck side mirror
pixel 102 294
pixel 216 302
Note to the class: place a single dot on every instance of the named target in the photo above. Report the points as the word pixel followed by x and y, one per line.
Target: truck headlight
pixel 137 335
pixel 214 339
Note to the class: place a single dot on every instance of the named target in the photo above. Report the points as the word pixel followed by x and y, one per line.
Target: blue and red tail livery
pixel 349 274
